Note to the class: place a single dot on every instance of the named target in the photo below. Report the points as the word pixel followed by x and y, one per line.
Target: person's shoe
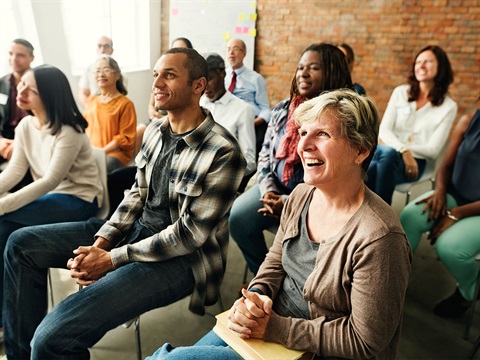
pixel 452 307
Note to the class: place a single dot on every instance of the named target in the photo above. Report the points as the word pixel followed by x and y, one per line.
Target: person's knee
pixel 166 351
pixel 411 214
pixel 237 218
pixel 46 340
pixel 386 154
pixel 447 251
pixel 17 243
pixel 237 214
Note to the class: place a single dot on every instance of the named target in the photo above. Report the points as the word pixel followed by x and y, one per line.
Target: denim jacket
pixel 268 178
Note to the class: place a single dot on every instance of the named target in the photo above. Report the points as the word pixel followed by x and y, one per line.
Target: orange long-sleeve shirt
pixel 115 120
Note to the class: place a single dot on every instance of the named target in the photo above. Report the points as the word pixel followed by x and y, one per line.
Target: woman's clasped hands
pixel 249 315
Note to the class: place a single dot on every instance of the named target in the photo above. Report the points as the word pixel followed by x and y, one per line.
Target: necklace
pixel 105 98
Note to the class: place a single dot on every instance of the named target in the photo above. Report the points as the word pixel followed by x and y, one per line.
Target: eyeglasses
pixel 26 88
pixel 235 48
pixel 105 46
pixel 105 71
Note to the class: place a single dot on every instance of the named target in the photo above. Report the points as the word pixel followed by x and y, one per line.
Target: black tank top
pixel 465 185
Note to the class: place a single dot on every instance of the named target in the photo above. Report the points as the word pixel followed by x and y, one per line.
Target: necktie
pixel 234 81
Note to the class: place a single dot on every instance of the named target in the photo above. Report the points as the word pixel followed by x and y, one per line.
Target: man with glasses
pixel 249 86
pixel 87 83
pixel 20 58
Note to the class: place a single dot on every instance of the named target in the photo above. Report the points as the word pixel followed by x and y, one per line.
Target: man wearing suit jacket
pixel 20 58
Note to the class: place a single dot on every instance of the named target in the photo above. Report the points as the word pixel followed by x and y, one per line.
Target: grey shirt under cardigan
pixel 355 292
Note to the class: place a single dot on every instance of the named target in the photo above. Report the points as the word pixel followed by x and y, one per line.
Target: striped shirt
pixel 206 170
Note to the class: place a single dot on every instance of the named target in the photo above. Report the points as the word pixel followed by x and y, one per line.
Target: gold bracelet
pixel 451 216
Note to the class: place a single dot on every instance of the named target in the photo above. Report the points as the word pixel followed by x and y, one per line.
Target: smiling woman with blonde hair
pixel 333 283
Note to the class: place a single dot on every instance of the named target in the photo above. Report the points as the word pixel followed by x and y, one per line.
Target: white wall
pixel 52 40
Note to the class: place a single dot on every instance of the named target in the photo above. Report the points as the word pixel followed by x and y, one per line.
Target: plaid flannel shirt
pixel 205 173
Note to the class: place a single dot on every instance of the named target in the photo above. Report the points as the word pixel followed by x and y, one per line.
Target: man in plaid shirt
pixel 167 239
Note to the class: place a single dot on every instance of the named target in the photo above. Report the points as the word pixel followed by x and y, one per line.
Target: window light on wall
pixel 125 21
pixel 17 21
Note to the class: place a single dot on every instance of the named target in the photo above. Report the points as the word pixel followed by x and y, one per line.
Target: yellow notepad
pixel 255 348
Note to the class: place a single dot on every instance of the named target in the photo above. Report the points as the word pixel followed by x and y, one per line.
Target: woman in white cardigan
pixel 416 124
pixel 52 145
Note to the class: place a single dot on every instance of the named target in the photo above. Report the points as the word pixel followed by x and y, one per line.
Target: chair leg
pixel 137 338
pixel 471 311
pixel 220 302
pixel 407 198
pixel 50 285
pixel 474 350
pixel 245 274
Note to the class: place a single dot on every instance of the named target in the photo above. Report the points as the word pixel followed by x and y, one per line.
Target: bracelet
pixel 451 216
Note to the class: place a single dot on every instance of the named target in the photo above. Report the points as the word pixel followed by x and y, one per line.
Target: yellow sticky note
pixel 226 36
pixel 252 32
pixel 253 5
pixel 253 17
pixel 241 17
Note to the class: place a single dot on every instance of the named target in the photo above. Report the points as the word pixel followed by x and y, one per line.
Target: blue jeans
pixel 456 247
pixel 386 170
pixel 82 319
pixel 211 347
pixel 246 227
pixel 48 209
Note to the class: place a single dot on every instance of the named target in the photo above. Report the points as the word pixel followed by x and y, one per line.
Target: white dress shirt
pixel 424 131
pixel 237 117
pixel 250 87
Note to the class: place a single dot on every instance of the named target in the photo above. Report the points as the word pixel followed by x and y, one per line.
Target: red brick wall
pixel 385 35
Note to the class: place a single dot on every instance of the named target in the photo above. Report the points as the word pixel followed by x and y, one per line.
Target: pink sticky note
pixel 238 30
pixel 175 11
pixel 245 29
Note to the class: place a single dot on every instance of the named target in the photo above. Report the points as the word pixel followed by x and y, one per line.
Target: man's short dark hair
pixel 195 63
pixel 25 43
pixel 215 62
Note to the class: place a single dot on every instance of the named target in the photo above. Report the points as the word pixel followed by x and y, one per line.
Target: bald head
pixel 104 46
pixel 236 52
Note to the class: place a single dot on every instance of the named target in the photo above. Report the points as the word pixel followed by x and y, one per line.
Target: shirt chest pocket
pixel 404 120
pixel 187 188
pixel 187 191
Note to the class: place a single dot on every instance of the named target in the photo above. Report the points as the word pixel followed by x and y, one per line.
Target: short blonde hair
pixel 357 115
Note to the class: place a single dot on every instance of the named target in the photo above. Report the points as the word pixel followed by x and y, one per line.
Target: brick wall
pixel 385 35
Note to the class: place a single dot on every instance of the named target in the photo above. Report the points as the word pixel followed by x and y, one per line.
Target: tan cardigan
pixel 356 291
